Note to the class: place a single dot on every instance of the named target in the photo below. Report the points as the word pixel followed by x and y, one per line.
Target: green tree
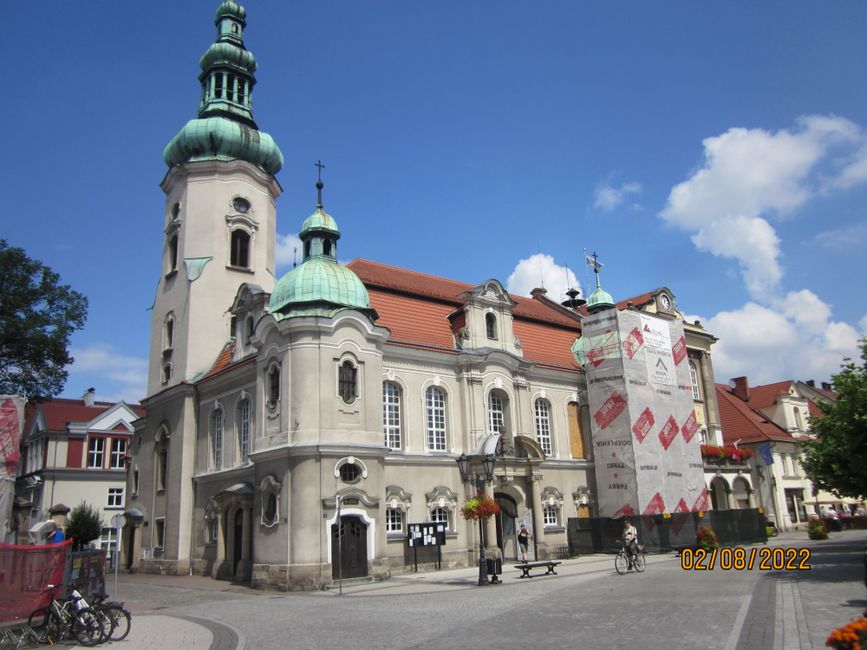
pixel 84 525
pixel 37 316
pixel 837 459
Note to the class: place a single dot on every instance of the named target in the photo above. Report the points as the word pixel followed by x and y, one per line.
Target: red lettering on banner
pixel 626 511
pixel 669 432
pixel 678 522
pixel 609 411
pixel 643 424
pixel 633 342
pixel 656 506
pixel 596 356
pixel 701 504
pixel 678 350
pixel 689 427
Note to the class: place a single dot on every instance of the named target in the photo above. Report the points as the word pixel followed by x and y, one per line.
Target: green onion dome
pixel 318 287
pixel 219 138
pixel 230 9
pixel 599 300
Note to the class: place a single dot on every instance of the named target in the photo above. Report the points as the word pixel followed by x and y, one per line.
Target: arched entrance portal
pixel 351 556
pixel 719 490
pixel 505 525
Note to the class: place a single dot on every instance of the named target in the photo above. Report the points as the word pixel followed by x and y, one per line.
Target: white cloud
pixel 541 270
pixel 287 250
pixel 749 175
pixel 770 345
pixel 114 375
pixel 863 324
pixel 842 238
pixel 609 197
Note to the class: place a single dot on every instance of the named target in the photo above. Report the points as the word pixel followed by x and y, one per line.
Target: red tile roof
pixel 740 422
pixel 415 307
pixel 765 396
pixel 58 411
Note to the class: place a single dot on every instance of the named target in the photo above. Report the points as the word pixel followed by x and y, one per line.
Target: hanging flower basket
pixel 480 506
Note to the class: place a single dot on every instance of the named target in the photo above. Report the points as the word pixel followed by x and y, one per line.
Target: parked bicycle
pixel 625 560
pixel 71 618
pixel 121 619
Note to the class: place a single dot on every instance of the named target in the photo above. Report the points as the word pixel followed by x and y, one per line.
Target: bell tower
pixel 219 225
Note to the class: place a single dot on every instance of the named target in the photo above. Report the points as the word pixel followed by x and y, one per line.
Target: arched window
pixel 441 516
pixel 693 375
pixel 240 253
pixel 167 372
pixel 348 381
pixel 436 419
pixel 161 451
pixel 576 437
pixel 543 425
pixel 391 414
pixel 168 333
pixel 244 430
pixel 273 386
pixel 491 325
pixel 496 412
pixel 173 253
pixel 217 438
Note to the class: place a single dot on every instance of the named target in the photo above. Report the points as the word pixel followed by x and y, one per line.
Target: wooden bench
pixel 525 567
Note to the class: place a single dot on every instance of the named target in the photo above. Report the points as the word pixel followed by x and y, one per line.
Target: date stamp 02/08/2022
pixel 745 559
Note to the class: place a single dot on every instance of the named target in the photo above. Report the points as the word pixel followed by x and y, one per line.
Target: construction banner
pixel 643 423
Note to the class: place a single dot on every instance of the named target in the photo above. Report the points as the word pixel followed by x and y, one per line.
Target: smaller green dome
pixel 222 53
pixel 319 221
pixel 318 287
pixel 599 300
pixel 231 9
pixel 218 138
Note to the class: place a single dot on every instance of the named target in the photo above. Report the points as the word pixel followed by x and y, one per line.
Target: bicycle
pixel 70 618
pixel 624 560
pixel 120 616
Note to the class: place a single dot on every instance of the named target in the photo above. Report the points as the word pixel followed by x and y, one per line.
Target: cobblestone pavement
pixel 586 605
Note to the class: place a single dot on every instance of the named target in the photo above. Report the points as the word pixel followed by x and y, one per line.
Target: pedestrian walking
pixel 523 541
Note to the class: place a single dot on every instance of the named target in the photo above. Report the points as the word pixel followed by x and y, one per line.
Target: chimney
pixel 811 383
pixel 89 397
pixel 741 388
pixel 537 292
pixel 826 386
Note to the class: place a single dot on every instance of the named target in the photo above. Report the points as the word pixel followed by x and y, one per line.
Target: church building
pixel 335 400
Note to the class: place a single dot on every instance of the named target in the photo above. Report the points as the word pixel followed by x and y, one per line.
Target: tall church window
pixel 217 438
pixel 436 419
pixel 173 254
pixel 348 381
pixel 240 253
pixel 167 372
pixel 693 375
pixel 491 326
pixel 391 414
pixel 244 430
pixel 273 386
pixel 169 333
pixel 496 412
pixel 576 435
pixel 543 425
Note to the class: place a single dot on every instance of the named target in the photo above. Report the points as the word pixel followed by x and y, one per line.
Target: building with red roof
pixel 74 451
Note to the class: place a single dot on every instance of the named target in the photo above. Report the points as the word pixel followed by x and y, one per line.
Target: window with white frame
pixel 441 516
pixel 491 326
pixel 240 245
pixel 550 515
pixel 118 453
pixel 244 430
pixel 393 520
pixel 496 413
pixel 115 497
pixel 436 419
pixel 693 375
pixel 160 532
pixel 108 539
pixel 391 414
pixel 543 425
pixel 217 438
pixel 95 452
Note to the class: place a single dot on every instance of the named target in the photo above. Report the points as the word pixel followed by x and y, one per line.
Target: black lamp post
pixel 478 482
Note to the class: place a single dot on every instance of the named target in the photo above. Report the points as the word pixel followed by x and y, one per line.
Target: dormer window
pixel 491 326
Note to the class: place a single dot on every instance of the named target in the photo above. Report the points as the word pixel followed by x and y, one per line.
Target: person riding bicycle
pixel 630 540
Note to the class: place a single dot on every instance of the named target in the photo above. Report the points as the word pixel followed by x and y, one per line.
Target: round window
pixel 241 205
pixel 270 511
pixel 349 472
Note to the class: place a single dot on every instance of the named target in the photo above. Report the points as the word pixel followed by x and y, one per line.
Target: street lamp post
pixel 478 482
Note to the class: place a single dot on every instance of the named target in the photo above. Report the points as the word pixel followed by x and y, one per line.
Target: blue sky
pixel 718 148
